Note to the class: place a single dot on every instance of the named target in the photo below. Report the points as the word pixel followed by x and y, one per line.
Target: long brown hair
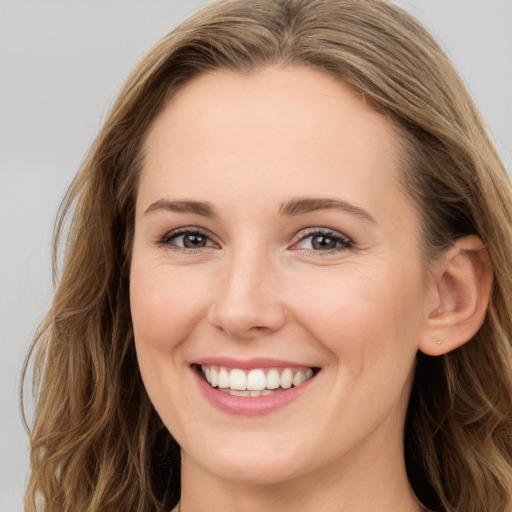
pixel 96 442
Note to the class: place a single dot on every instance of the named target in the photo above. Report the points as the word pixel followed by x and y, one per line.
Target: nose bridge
pixel 247 303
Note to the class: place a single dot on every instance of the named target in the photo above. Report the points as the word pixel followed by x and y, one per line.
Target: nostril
pixel 246 305
pixel 244 324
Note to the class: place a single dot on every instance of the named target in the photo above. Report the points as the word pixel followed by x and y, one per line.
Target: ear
pixel 463 279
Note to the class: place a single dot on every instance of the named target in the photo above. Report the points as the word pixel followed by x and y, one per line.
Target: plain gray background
pixel 61 64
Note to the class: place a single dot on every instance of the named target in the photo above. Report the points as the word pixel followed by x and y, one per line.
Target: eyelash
pixel 342 241
pixel 167 239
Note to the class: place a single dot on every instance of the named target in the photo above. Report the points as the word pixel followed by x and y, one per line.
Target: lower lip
pixel 249 406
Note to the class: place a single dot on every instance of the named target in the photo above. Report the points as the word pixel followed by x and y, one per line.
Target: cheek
pixel 164 307
pixel 362 314
pixel 370 321
pixel 163 315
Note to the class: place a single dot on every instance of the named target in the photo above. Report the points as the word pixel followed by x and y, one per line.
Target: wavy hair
pixel 97 444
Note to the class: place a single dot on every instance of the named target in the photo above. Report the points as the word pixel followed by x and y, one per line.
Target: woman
pixel 286 280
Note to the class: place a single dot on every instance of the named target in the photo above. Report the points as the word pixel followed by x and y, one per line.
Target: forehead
pixel 278 131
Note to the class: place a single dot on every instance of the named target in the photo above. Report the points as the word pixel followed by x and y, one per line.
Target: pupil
pixel 194 241
pixel 322 242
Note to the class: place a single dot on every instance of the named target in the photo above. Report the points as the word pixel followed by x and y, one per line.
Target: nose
pixel 247 303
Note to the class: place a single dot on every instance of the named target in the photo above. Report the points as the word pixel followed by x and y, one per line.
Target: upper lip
pixel 256 362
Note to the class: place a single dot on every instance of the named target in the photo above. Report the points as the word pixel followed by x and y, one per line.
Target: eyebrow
pixel 290 208
pixel 197 207
pixel 307 205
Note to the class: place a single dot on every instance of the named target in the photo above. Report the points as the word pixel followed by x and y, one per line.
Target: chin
pixel 258 471
pixel 257 463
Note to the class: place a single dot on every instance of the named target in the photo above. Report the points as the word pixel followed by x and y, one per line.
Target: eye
pixel 187 239
pixel 323 240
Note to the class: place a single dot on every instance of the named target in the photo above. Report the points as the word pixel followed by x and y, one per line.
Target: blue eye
pixel 324 240
pixel 187 239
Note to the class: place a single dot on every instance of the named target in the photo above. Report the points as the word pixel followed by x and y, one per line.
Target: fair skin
pixel 225 266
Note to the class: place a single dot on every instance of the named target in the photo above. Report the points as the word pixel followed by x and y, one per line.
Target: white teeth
pixel 237 392
pixel 273 379
pixel 298 378
pixel 223 378
pixel 254 382
pixel 286 378
pixel 237 379
pixel 213 377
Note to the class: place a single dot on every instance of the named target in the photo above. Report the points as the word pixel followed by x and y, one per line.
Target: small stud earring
pixel 440 340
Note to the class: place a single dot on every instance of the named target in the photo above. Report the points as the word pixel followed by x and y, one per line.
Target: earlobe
pixel 463 279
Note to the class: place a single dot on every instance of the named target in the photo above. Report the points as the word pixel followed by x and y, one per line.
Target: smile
pixel 254 382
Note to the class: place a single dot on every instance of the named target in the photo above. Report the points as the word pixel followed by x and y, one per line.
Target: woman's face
pixel 273 243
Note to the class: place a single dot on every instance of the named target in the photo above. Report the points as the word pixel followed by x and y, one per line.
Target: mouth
pixel 255 382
